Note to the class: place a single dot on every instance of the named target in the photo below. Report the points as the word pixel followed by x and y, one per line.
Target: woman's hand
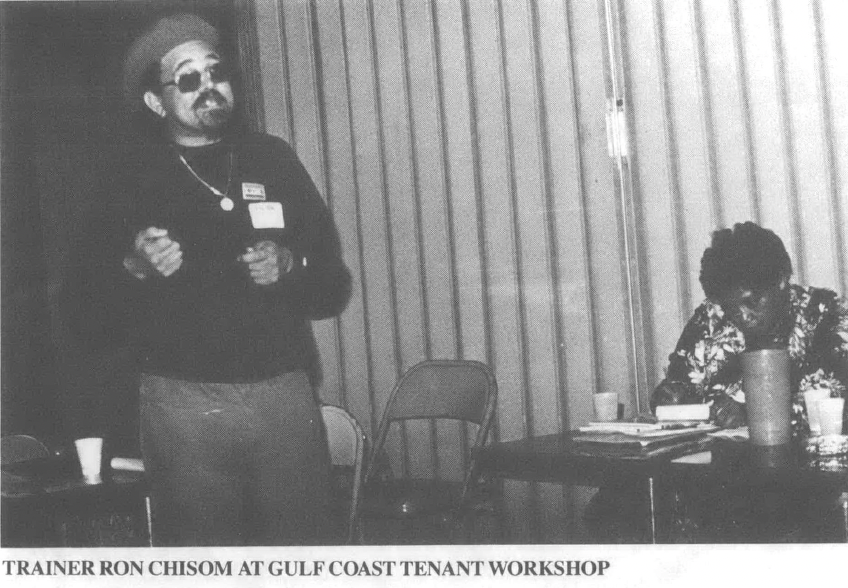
pixel 727 413
pixel 673 393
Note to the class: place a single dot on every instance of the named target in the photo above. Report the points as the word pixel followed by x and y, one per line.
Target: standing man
pixel 229 252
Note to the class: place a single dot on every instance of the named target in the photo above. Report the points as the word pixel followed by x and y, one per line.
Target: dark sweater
pixel 209 321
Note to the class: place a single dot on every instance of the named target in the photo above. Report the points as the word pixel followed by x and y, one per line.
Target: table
pixel 552 458
pixel 46 502
pixel 742 468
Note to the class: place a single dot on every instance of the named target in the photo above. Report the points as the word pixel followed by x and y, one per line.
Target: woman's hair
pixel 748 257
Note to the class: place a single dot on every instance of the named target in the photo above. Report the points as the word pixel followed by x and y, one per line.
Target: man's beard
pixel 213 110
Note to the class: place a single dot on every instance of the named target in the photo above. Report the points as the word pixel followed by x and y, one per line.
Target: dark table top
pixel 742 463
pixel 552 458
pixel 47 503
pixel 59 478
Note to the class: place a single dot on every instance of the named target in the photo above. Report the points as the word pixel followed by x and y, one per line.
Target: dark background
pixel 64 134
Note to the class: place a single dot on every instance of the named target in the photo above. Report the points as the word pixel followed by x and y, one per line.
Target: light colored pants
pixel 236 464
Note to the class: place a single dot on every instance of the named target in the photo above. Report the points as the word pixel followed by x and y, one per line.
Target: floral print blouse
pixel 707 354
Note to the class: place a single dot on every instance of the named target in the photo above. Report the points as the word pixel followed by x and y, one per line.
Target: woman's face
pixel 757 313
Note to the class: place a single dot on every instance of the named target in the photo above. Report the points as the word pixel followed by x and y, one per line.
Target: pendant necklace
pixel 226 202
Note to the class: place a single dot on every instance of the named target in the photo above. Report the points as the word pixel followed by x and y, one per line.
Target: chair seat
pixel 410 498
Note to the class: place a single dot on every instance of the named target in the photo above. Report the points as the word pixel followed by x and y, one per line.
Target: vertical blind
pixel 462 148
pixel 737 115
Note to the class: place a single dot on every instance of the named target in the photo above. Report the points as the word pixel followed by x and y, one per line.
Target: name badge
pixel 251 191
pixel 266 215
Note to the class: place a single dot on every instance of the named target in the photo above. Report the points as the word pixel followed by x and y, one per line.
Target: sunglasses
pixel 190 81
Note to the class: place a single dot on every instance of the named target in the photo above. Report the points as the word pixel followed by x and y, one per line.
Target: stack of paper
pixel 127 464
pixel 683 412
pixel 644 429
pixel 639 442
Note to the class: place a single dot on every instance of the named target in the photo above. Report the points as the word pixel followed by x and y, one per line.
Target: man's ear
pixel 154 103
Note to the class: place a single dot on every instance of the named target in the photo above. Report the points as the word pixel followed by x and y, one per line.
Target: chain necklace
pixel 226 202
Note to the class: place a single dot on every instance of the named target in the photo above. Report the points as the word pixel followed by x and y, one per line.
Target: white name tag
pixel 266 215
pixel 251 191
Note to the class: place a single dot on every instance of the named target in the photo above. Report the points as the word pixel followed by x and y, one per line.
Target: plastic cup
pixel 765 379
pixel 89 451
pixel 606 406
pixel 830 415
pixel 772 457
pixel 811 398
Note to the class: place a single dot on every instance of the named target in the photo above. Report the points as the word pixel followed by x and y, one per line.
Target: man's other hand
pixel 154 253
pixel 266 261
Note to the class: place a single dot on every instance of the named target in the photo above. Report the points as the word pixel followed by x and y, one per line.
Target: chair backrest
pixel 347 448
pixel 17 448
pixel 464 390
pixel 442 388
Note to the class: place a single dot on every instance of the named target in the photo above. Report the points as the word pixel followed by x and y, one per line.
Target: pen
pixel 674 426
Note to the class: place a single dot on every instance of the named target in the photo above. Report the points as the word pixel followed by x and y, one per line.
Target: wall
pixel 462 147
pixel 737 115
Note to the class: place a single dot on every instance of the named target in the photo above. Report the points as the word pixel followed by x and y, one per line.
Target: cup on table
pixel 772 457
pixel 606 406
pixel 811 398
pixel 90 451
pixel 830 415
pixel 765 380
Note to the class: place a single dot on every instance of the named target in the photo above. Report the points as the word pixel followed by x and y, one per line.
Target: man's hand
pixel 154 253
pixel 266 261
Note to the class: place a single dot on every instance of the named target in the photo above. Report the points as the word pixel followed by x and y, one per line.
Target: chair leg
pixel 501 529
pixel 354 531
pixel 844 502
pixel 149 512
pixel 465 527
pixel 361 531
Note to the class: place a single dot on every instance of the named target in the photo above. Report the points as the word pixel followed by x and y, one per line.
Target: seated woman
pixel 751 304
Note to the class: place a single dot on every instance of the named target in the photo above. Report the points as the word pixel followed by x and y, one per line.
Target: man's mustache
pixel 211 93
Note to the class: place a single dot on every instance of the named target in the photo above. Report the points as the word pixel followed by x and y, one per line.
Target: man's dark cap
pixel 154 43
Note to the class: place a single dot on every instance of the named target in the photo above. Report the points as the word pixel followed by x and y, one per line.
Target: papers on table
pixel 679 430
pixel 683 412
pixel 740 434
pixel 702 457
pixel 647 430
pixel 127 464
pixel 640 440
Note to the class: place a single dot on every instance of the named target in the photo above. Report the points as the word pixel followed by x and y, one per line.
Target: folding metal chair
pixel 461 390
pixel 347 450
pixel 17 448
